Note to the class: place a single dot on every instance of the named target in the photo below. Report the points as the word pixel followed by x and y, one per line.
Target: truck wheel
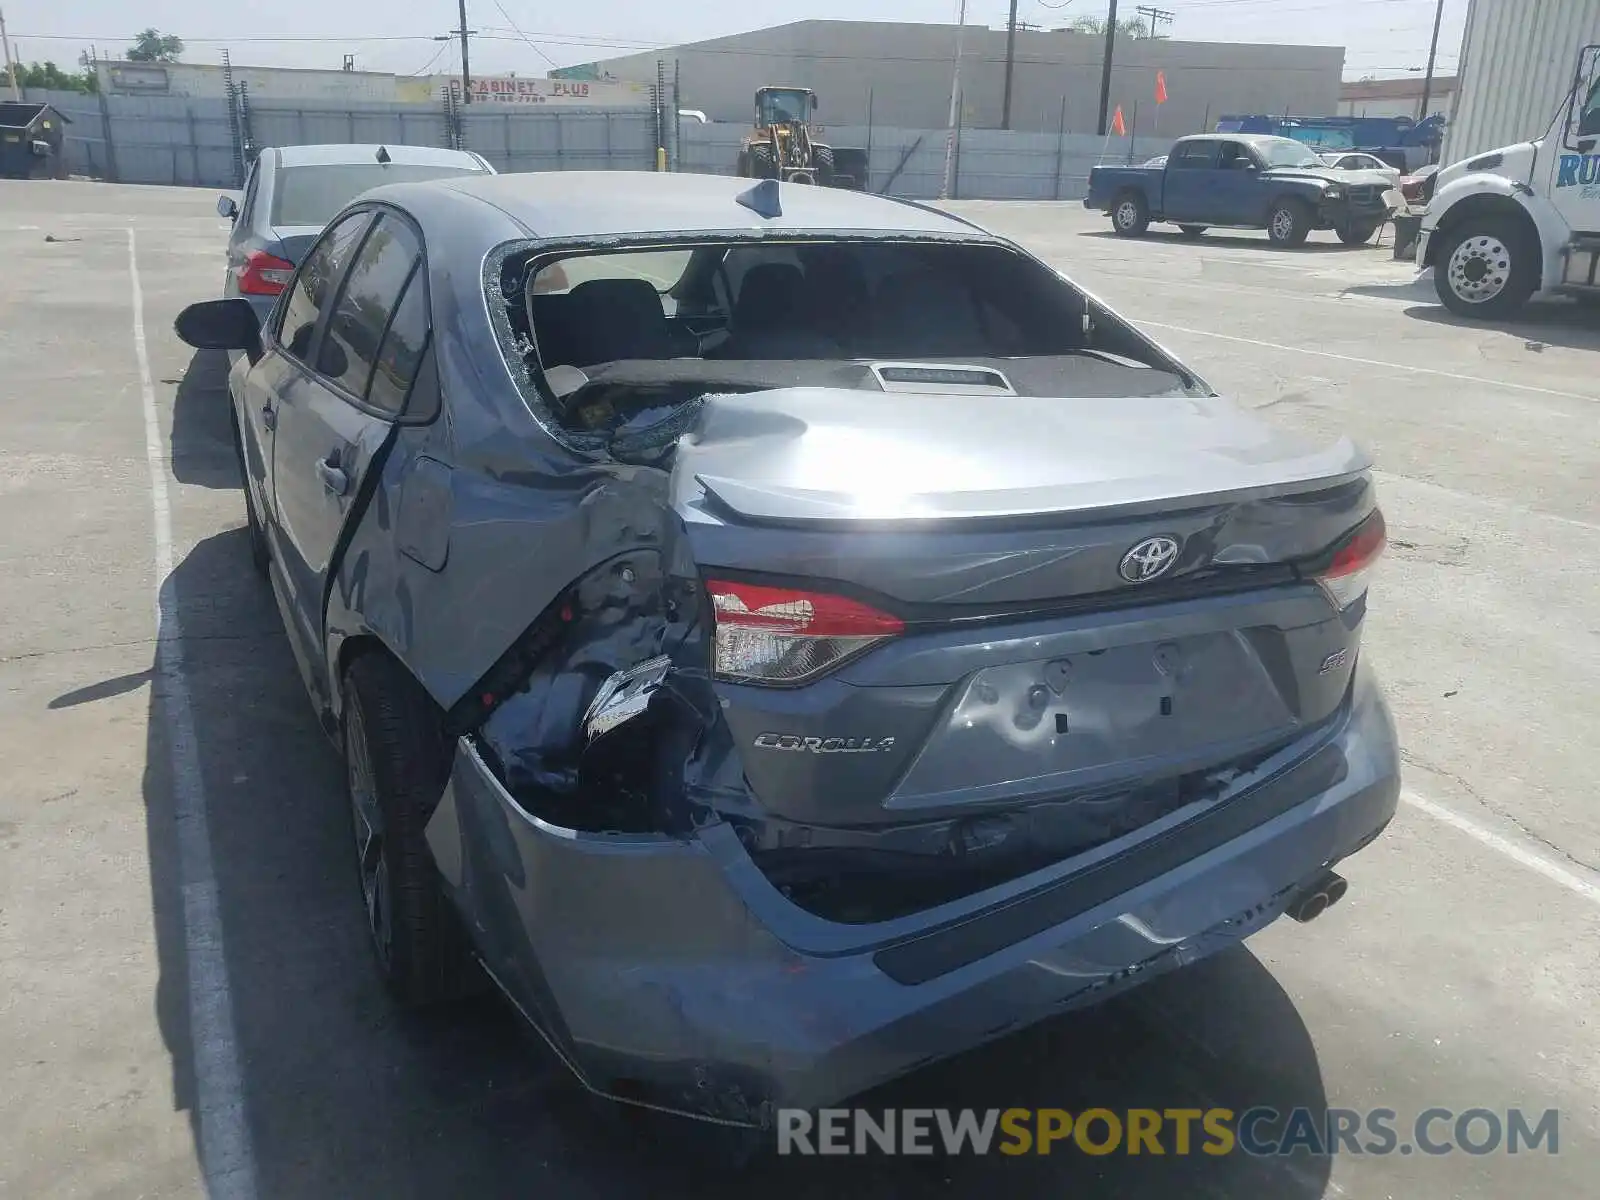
pixel 1130 215
pixel 1360 233
pixel 824 157
pixel 397 759
pixel 1192 232
pixel 1289 223
pixel 1486 267
pixel 762 164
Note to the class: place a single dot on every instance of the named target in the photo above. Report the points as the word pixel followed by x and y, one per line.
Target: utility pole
pixel 955 103
pixel 463 33
pixel 1105 71
pixel 1154 17
pixel 1011 58
pixel 1427 80
pixel 466 71
pixel 11 67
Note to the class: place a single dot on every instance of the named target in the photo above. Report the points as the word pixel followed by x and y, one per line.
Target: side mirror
pixel 228 207
pixel 814 104
pixel 229 324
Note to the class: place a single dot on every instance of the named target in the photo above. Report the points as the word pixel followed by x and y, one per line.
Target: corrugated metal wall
pixel 1517 62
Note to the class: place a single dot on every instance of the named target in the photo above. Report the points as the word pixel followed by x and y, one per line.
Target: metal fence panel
pixel 157 139
pixel 988 164
pixel 562 139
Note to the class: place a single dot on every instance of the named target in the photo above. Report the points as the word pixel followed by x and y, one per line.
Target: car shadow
pixel 344 1094
pixel 1234 240
pixel 202 429
pixel 1572 324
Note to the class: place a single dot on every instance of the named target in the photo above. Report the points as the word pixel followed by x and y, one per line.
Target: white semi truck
pixel 1504 226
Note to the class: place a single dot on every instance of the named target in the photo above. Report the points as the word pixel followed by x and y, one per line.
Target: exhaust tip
pixel 1318 897
pixel 1335 888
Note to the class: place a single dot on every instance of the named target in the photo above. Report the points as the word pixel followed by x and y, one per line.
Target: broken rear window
pixel 664 324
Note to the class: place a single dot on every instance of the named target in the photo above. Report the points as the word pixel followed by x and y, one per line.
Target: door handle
pixel 333 477
pixel 269 416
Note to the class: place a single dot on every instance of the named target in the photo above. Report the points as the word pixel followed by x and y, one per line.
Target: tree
pixel 51 77
pixel 151 45
pixel 1132 27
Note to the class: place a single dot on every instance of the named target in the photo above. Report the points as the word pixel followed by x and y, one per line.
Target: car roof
pixel 626 204
pixel 348 154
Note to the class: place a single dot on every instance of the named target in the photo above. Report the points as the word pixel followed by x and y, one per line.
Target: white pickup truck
pixel 1504 226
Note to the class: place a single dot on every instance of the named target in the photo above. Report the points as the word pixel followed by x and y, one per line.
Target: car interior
pixel 611 337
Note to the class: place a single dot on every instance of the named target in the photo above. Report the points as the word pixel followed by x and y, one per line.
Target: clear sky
pixel 1382 37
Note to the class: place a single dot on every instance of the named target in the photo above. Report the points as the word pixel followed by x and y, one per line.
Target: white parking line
pixel 226 1158
pixel 1371 362
pixel 1570 879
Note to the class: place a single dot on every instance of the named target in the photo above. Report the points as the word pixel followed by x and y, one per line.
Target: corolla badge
pixel 1148 559
pixel 817 745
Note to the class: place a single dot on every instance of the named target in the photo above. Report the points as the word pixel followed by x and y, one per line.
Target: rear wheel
pixel 396 762
pixel 1130 215
pixel 1486 267
pixel 1192 232
pixel 1289 223
pixel 1359 233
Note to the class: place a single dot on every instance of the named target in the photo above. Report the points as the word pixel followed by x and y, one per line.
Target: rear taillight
pixel 1345 578
pixel 783 635
pixel 264 274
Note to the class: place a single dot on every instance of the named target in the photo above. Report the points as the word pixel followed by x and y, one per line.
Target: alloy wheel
pixel 1479 269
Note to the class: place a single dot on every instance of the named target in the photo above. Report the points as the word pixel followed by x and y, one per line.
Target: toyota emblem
pixel 1149 559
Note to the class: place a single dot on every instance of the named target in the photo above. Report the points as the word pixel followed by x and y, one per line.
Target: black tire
pixel 397 759
pixel 824 164
pixel 1130 215
pixel 1360 233
pixel 1192 232
pixel 260 554
pixel 762 164
pixel 1497 269
pixel 1289 223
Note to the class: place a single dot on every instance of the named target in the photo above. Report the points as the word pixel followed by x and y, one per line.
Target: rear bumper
pixel 669 971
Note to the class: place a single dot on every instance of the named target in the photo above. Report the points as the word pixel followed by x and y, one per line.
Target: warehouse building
pixel 1517 63
pixel 901 73
pixel 1397 97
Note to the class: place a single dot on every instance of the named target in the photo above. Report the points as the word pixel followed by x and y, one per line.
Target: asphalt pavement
pixel 184 976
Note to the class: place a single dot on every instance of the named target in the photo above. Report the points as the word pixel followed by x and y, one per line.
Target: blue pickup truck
pixel 1243 181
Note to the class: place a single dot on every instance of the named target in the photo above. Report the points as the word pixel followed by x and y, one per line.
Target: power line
pixel 423 69
pixel 536 49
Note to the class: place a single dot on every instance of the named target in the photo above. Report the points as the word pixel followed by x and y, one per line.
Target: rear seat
pixel 604 320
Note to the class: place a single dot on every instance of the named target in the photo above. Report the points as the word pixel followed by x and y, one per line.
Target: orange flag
pixel 1117 127
pixel 1161 87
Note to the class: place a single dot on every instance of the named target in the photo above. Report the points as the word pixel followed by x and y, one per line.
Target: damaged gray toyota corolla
pixel 788 636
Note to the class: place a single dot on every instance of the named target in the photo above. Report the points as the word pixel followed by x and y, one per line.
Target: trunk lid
pixel 1036 699
pixel 294 241
pixel 805 455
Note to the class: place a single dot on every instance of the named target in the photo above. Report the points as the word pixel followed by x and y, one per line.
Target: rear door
pixel 335 417
pixel 1187 194
pixel 1236 190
